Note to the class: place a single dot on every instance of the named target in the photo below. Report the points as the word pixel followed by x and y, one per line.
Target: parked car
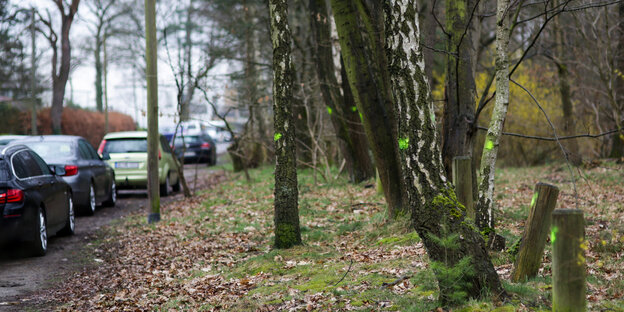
pixel 126 152
pixel 35 202
pixel 92 180
pixel 6 139
pixel 195 149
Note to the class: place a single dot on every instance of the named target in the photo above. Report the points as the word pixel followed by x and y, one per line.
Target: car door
pixel 55 187
pixel 96 168
pixel 168 158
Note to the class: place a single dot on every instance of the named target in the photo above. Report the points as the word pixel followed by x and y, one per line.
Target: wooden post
pixel 462 179
pixel 568 267
pixel 533 240
pixel 153 186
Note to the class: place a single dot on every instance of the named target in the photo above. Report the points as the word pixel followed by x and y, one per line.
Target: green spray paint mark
pixel 432 117
pixel 353 109
pixel 329 110
pixel 403 143
pixel 553 234
pixel 361 117
pixel 489 144
pixel 277 136
pixel 534 199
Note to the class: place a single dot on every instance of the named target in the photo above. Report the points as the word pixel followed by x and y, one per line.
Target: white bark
pixel 492 139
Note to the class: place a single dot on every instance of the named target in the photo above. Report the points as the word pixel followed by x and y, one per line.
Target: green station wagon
pixel 126 153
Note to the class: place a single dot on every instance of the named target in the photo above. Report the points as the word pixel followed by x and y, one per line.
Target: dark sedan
pixel 34 201
pixel 195 149
pixel 92 180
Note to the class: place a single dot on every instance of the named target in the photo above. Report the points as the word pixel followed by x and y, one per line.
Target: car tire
pixel 89 208
pixel 176 186
pixel 70 223
pixel 39 235
pixel 164 188
pixel 112 197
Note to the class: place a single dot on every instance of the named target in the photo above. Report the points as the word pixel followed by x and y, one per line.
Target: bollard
pixel 568 266
pixel 529 257
pixel 462 179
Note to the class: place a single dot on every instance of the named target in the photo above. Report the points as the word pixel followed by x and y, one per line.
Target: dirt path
pixel 22 276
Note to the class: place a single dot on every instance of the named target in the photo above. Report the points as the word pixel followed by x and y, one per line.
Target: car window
pixel 42 164
pixel 52 150
pixel 188 139
pixel 86 150
pixel 138 145
pixel 25 165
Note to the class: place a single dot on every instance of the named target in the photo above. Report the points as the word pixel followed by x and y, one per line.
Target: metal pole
pixel 33 74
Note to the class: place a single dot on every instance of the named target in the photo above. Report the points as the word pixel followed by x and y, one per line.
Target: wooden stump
pixel 529 257
pixel 462 179
pixel 568 266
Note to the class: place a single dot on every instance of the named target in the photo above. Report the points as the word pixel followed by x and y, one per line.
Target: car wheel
pixel 112 197
pixel 39 245
pixel 164 188
pixel 176 186
pixel 70 223
pixel 90 207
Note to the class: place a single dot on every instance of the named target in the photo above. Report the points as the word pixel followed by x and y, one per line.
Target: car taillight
pixel 12 196
pixel 159 155
pixel 101 147
pixel 70 170
pixel 205 145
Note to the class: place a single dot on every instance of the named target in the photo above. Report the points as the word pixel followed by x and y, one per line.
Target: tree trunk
pixel 571 146
pixel 460 90
pixel 617 147
pixel 153 185
pixel 358 164
pixel 98 75
pixel 60 78
pixel 451 240
pixel 371 97
pixel 427 26
pixel 287 231
pixel 485 204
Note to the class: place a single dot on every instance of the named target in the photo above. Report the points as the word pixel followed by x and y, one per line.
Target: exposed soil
pixel 22 277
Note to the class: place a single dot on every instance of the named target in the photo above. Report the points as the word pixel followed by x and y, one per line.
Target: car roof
pixel 126 134
pixel 10 149
pixel 50 138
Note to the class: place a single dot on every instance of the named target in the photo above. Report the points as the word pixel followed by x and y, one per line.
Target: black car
pixel 34 201
pixel 199 148
pixel 92 180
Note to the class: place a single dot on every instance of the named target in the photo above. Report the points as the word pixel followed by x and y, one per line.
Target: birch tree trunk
pixel 437 214
pixel 359 46
pixel 352 147
pixel 287 231
pixel 485 204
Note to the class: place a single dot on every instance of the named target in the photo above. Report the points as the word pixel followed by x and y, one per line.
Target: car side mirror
pixel 57 170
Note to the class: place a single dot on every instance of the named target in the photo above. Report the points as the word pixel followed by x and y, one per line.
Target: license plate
pixel 189 154
pixel 126 165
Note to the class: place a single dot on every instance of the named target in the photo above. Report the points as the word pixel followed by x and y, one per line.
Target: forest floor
pixel 213 251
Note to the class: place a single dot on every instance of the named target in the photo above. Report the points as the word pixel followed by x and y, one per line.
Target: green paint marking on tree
pixel 489 144
pixel 403 143
pixel 432 117
pixel 361 117
pixel 353 109
pixel 329 110
pixel 553 234
pixel 277 136
pixel 534 199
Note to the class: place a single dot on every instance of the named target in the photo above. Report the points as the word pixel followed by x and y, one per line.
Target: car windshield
pixel 4 171
pixel 138 145
pixel 188 139
pixel 52 150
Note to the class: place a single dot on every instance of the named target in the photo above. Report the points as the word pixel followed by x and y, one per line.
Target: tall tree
pixel 485 204
pixel 287 230
pixel 360 48
pixel 352 142
pixel 459 111
pixel 436 213
pixel 60 72
pixel 617 147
